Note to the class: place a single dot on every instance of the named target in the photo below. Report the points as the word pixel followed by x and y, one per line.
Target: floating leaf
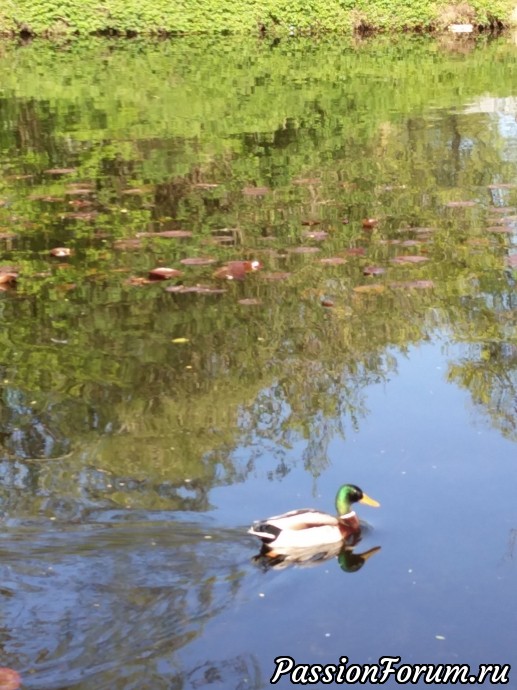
pixel 302 181
pixel 8 278
pixel 198 261
pixel 255 191
pixel 139 280
pixel 81 215
pixel 163 273
pixel 502 229
pixel 419 230
pixel 179 340
pixel 9 679
pixel 79 191
pixel 374 288
pixel 316 234
pixel 410 243
pixel 327 303
pixel 355 251
pixel 237 270
pixel 206 185
pixel 223 239
pixel 134 191
pixel 373 270
pixel 46 198
pixel 80 203
pixel 173 234
pixel 478 241
pixel 250 301
pixel 333 261
pixel 460 204
pixel 304 250
pixel 200 289
pixel 502 209
pixel 409 259
pixel 61 252
pixel 370 223
pixel 275 276
pixel 418 284
pixel 60 171
pixel 502 185
pixel 129 243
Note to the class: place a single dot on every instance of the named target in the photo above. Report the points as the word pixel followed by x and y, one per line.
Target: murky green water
pixel 146 423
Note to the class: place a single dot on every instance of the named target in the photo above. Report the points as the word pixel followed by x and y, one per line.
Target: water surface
pixel 145 423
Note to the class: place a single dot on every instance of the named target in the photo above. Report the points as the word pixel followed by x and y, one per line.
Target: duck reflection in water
pixel 308 536
pixel 349 561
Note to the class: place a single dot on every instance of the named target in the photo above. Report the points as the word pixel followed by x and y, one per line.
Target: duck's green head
pixel 350 493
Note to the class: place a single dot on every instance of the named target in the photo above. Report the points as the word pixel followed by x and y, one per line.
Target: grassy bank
pixel 127 17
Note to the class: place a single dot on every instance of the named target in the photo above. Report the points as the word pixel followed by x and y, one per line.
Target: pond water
pixel 147 418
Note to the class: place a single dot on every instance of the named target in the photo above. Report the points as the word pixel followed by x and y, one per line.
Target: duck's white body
pixel 304 528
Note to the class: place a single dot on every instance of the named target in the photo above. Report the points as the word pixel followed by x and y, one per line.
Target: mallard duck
pixel 309 527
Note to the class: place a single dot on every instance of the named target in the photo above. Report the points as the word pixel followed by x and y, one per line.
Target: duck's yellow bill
pixel 370 501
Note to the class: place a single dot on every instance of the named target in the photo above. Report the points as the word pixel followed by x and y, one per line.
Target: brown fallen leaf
pixel 81 215
pixel 250 301
pixel 460 204
pixel 409 259
pixel 130 243
pixel 198 261
pixel 418 284
pixel 9 679
pixel 255 191
pixel 61 252
pixel 173 234
pixel 309 181
pixel 164 273
pixel 315 234
pixel 60 171
pixel 80 203
pixel 373 270
pixel 8 278
pixel 303 250
pixel 374 288
pixel 237 270
pixel 502 229
pixel 275 276
pixel 333 261
pixel 46 198
pixel 199 289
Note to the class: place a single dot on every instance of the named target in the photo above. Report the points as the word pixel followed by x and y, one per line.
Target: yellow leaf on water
pixel 177 341
pixel 373 288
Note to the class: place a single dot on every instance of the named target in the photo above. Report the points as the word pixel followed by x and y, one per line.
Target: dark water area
pixel 234 276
